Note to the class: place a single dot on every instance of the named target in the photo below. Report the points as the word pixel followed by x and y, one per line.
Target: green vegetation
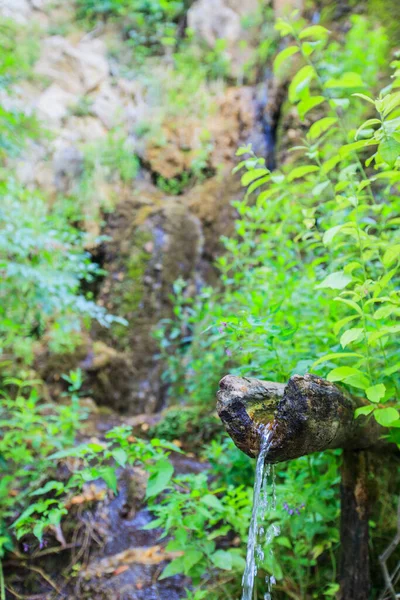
pixel 308 282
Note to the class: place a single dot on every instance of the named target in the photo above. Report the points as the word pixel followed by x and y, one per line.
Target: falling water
pixel 257 534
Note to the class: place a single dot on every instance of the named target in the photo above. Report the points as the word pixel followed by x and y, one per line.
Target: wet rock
pixel 149 250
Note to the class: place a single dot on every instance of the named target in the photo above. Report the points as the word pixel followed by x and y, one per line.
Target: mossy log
pixel 308 414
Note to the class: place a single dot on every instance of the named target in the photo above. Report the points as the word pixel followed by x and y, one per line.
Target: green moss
pixel 126 297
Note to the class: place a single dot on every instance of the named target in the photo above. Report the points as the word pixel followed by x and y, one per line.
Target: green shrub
pixel 30 431
pixel 309 282
pixel 43 266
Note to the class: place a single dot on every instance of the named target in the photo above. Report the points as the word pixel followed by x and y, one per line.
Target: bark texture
pixel 354 572
pixel 308 414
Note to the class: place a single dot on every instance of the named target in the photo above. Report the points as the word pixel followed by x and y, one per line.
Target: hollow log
pixel 308 414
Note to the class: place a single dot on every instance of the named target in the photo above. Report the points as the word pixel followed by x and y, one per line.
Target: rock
pixel 108 107
pixel 54 103
pixel 18 10
pixel 68 165
pixel 143 258
pixel 78 69
pixel 229 125
pixel 213 20
pixel 83 129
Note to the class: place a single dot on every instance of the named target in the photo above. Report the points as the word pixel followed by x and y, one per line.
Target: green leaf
pixel 389 150
pixel 302 171
pixel 50 485
pixel 300 81
pixel 366 125
pixel 341 373
pixel 38 530
pixel 348 149
pixel 153 524
pixel 283 27
pixel 212 501
pixel 335 281
pixel 120 456
pixel 388 103
pixel 375 393
pixel 244 150
pixel 358 380
pixel 346 81
pixel 331 233
pixel 108 474
pixel 351 335
pixel 252 175
pixel 190 559
pixel 320 127
pixel 336 355
pixel 386 416
pixel 160 478
pixel 364 97
pixel 364 410
pixel 284 541
pixel 222 560
pixel 174 567
pixel 305 105
pixel 282 57
pixel 391 254
pixel 315 32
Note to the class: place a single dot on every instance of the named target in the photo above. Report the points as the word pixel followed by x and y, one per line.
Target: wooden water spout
pixel 310 414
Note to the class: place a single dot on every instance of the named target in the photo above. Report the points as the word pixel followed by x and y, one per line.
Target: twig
pixel 45 577
pixel 20 597
pixel 384 557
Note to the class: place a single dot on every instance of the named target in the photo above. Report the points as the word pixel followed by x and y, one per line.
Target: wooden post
pixel 354 571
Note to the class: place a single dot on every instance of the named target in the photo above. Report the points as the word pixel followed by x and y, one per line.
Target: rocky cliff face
pixel 161 225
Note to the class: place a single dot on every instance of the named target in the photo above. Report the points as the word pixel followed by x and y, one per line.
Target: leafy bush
pixel 19 51
pixel 150 25
pixel 30 431
pixel 43 266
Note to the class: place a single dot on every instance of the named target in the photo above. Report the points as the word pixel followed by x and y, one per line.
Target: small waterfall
pixel 258 538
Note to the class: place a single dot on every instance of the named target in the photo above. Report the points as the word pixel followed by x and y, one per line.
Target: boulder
pixel 77 69
pixel 146 252
pixel 213 20
pixel 18 10
pixel 53 104
pixel 68 164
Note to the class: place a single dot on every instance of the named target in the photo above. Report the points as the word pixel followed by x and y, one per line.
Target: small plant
pixel 31 430
pixel 42 276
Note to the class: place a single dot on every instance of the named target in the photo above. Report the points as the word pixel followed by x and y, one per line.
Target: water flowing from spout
pixel 260 504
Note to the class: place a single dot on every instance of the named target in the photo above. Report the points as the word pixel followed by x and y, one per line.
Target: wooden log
pixel 307 415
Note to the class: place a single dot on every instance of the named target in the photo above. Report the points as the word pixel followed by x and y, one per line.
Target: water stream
pixel 258 537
